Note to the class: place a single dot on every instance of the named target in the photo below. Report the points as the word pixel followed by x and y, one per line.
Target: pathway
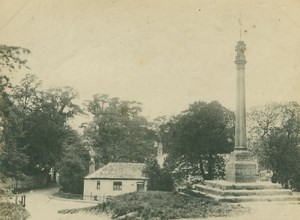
pixel 42 206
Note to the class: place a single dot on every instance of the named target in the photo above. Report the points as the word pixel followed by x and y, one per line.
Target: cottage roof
pixel 119 171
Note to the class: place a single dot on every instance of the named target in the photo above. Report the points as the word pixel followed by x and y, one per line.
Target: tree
pixel 11 59
pixel 14 159
pixel 159 178
pixel 274 132
pixel 41 123
pixel 47 127
pixel 118 133
pixel 195 139
pixel 73 166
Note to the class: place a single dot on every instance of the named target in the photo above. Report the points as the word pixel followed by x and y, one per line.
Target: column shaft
pixel 240 122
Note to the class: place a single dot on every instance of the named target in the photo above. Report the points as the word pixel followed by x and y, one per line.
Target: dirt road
pixel 42 206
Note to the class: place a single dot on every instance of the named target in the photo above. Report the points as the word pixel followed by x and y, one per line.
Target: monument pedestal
pixel 241 168
pixel 241 185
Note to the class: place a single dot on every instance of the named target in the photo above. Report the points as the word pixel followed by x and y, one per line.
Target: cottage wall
pixel 106 188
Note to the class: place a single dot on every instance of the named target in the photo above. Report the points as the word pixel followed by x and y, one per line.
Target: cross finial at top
pixel 240 24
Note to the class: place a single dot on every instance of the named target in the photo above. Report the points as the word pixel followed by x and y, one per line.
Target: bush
pixel 72 172
pixel 11 211
pixel 162 205
pixel 159 178
pixel 5 189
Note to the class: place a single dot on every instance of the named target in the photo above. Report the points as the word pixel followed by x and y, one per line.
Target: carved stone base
pixel 241 168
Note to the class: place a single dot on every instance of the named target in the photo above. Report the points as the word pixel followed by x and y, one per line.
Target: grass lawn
pixel 11 211
pixel 162 205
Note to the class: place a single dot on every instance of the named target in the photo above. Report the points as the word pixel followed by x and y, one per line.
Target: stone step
pixel 286 198
pixel 221 184
pixel 255 198
pixel 242 192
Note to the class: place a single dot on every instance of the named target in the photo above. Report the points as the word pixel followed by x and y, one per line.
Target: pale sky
pixel 165 54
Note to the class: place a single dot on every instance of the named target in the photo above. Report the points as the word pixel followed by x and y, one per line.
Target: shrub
pixel 159 178
pixel 72 172
pixel 161 205
pixel 11 211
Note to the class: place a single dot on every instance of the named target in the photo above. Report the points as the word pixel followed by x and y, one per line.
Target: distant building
pixel 115 179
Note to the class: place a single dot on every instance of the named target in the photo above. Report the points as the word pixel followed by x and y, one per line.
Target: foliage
pixel 274 131
pixel 35 127
pixel 5 191
pixel 159 178
pixel 72 172
pixel 12 158
pixel 42 118
pixel 13 161
pixel 195 140
pixel 162 205
pixel 11 59
pixel 74 164
pixel 12 211
pixel 118 133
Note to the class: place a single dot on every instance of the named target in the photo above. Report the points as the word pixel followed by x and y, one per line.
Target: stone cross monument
pixel 241 170
pixel 241 166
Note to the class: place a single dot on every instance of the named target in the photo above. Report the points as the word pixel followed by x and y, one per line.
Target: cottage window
pixel 98 184
pixel 117 185
pixel 140 186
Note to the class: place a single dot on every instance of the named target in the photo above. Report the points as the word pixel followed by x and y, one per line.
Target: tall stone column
pixel 241 166
pixel 240 122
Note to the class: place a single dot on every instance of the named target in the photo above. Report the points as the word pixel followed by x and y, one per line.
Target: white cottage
pixel 115 179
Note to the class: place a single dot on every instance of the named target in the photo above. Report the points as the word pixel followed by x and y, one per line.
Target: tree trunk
pixel 202 168
pixel 210 166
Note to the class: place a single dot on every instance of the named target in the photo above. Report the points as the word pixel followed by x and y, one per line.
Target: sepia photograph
pixel 149 109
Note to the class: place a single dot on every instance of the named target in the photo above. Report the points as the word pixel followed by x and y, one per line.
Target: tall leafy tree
pixel 274 136
pixel 195 139
pixel 41 125
pixel 13 158
pixel 11 59
pixel 118 132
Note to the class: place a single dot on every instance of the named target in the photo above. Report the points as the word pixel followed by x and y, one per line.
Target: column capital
pixel 240 55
